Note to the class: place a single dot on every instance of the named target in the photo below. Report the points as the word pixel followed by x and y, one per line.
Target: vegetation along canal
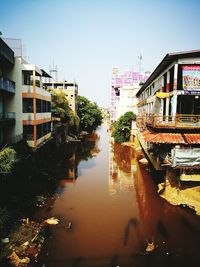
pixel 109 211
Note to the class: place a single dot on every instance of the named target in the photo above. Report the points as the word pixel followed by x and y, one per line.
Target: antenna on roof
pixel 53 70
pixel 140 62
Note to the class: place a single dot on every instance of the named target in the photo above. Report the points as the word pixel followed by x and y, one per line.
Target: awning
pixel 162 95
pixel 163 138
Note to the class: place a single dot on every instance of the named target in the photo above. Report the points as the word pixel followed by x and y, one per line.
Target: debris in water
pixel 52 221
pixel 25 260
pixel 144 161
pixel 5 240
pixel 69 225
pixel 150 246
pixel 14 259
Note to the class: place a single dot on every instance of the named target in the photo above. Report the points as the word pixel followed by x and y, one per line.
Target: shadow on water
pixel 133 223
pixel 37 176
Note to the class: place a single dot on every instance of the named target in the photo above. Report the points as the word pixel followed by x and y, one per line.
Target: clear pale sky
pixel 86 38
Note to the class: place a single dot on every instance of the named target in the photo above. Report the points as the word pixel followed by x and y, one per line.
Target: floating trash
pixel 5 240
pixel 52 221
pixel 144 161
pixel 69 225
pixel 150 246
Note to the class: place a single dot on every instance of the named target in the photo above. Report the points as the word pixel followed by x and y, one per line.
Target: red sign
pixel 191 67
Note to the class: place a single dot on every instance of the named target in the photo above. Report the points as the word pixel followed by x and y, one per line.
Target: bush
pixel 7 159
pixel 122 127
pixel 4 219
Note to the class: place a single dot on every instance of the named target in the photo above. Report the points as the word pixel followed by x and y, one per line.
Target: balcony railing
pixel 7 85
pixel 7 116
pixel 179 121
pixel 6 53
pixel 10 141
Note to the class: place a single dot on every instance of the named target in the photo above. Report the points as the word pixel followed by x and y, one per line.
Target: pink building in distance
pixel 124 86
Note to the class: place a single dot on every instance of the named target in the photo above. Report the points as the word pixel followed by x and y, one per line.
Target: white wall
pixel 14 103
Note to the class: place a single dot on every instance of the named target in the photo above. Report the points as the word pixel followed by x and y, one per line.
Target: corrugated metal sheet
pixel 192 138
pixel 161 138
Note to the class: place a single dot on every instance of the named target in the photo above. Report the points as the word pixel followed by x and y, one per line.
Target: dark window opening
pixel 38 106
pixel 164 106
pixel 27 105
pixel 188 104
pixel 43 129
pixel 27 78
pixel 165 82
pixel 179 79
pixel 171 87
pixel 28 132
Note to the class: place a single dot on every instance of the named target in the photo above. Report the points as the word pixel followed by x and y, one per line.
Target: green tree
pixel 122 127
pixel 61 109
pixel 89 114
pixel 60 106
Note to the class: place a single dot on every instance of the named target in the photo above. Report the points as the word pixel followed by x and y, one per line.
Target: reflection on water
pixel 112 203
pixel 120 168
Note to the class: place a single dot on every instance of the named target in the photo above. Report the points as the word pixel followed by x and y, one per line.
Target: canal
pixel 109 211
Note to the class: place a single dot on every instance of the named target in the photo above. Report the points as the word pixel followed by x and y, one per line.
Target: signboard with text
pixel 191 79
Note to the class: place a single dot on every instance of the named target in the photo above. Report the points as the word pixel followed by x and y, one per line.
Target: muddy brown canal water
pixel 111 203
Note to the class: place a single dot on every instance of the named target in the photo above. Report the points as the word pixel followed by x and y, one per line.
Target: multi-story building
pixel 36 104
pixel 169 108
pixel 124 88
pixel 10 112
pixel 69 89
pixel 24 104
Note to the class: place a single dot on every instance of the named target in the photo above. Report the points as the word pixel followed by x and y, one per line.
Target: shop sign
pixel 191 79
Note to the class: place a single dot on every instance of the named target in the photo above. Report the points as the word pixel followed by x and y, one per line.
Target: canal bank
pixel 176 190
pixel 115 211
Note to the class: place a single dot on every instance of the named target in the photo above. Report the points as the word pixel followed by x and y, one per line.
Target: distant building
pixel 125 85
pixel 69 89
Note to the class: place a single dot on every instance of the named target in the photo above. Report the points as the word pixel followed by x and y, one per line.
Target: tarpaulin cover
pixel 186 157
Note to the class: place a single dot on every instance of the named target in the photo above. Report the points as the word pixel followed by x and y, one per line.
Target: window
pixel 26 78
pixel 27 105
pixel 28 132
pixel 38 106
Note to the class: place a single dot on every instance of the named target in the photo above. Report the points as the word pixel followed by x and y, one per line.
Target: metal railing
pixel 177 121
pixel 7 85
pixel 7 115
pixel 12 140
pixel 6 52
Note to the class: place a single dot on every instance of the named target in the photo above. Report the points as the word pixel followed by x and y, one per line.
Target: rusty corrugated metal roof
pixel 163 138
pixel 192 138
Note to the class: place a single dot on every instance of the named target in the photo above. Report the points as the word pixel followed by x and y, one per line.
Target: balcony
pixel 6 53
pixel 7 85
pixel 179 121
pixel 6 117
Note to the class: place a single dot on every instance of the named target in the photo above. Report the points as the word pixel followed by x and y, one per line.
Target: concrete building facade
pixel 25 107
pixel 169 108
pixel 11 129
pixel 69 89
